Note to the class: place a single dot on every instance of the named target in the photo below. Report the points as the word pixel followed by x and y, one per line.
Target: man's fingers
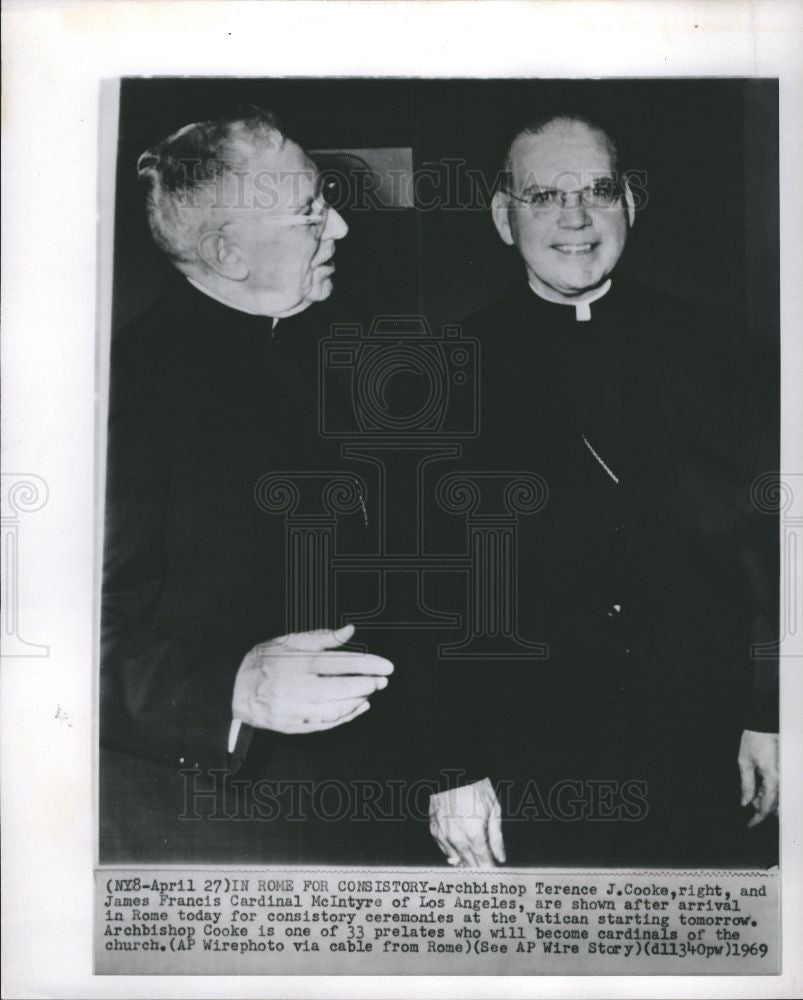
pixel 337 711
pixel 321 726
pixel 762 807
pixel 443 843
pixel 472 849
pixel 335 688
pixel 748 782
pixel 774 794
pixel 328 664
pixel 468 856
pixel 495 839
pixel 451 841
pixel 765 804
pixel 458 847
pixel 481 849
pixel 315 641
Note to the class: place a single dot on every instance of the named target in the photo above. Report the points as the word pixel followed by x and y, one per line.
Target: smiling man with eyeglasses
pixel 564 208
pixel 647 574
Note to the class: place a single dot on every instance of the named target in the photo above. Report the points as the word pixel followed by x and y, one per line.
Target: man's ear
pixel 222 256
pixel 630 202
pixel 501 216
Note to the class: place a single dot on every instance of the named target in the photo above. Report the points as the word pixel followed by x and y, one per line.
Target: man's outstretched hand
pixel 758 764
pixel 466 823
pixel 302 683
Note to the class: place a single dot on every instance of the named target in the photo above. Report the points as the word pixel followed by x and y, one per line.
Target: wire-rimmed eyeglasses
pixel 316 212
pixel 601 194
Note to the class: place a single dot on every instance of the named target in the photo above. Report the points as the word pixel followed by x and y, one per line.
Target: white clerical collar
pixel 581 305
pixel 227 302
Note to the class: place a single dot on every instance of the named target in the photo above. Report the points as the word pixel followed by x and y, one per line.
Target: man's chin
pixel 574 285
pixel 321 289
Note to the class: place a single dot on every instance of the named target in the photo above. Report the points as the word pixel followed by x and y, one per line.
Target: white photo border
pixel 56 55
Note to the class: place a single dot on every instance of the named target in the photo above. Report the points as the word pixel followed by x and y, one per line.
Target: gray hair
pixel 182 174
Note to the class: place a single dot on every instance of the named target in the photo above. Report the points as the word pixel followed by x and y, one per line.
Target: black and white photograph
pixel 439 512
pixel 401 516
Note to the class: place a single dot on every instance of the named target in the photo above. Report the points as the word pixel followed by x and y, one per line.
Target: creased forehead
pixel 280 179
pixel 290 159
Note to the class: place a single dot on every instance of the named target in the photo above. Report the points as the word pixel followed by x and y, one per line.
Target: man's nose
pixel 574 216
pixel 335 228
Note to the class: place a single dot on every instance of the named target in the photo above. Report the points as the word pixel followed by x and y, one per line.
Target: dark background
pixel 708 149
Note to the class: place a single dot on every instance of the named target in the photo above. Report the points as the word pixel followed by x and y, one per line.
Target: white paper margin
pixel 54 56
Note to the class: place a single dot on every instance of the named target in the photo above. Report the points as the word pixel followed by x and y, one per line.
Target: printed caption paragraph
pixel 252 921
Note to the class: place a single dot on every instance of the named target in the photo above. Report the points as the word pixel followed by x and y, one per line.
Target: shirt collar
pixel 582 305
pixel 227 302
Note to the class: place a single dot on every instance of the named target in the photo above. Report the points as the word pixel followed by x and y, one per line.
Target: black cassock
pixel 648 592
pixel 207 402
pixel 648 573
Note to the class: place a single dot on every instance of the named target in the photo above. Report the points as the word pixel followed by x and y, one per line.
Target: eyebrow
pixel 305 204
pixel 317 191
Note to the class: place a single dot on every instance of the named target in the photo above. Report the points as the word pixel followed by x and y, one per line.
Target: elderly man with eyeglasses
pixel 213 388
pixel 648 572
